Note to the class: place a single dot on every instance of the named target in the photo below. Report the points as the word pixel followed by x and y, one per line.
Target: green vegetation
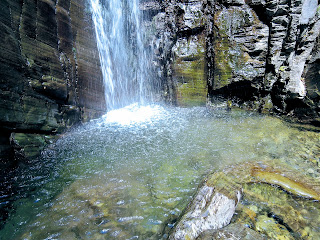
pixel 282 68
pixel 189 73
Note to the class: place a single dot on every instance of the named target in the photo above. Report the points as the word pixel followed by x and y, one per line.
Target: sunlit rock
pixel 264 208
pixel 209 210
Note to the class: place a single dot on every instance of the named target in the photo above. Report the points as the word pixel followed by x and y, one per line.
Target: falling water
pixel 123 58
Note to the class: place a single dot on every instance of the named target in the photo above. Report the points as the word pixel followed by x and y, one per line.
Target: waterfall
pixel 123 58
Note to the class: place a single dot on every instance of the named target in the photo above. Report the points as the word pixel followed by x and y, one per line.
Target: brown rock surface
pixel 50 74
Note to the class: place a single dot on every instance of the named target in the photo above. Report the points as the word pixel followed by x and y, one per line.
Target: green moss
pixel 282 68
pixel 189 74
pixel 223 69
pixel 32 144
pixel 193 91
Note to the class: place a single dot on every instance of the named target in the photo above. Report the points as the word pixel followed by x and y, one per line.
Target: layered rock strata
pixel 50 76
pixel 179 46
pixel 261 54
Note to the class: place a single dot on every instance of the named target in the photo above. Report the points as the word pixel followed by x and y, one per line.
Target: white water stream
pixel 124 62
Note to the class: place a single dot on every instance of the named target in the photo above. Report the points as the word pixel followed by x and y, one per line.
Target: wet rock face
pixel 292 40
pixel 261 53
pixel 50 73
pixel 179 45
pixel 240 46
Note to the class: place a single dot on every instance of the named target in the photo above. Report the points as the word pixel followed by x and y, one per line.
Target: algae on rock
pixel 264 208
pixel 189 71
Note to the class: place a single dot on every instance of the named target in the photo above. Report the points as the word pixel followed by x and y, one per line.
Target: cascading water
pixel 129 174
pixel 122 54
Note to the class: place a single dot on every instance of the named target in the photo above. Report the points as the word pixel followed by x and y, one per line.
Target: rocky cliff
pixel 50 76
pixel 260 54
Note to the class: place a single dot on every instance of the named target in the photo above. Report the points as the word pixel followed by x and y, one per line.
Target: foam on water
pixel 134 114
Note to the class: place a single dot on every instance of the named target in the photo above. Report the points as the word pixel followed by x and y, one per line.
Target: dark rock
pixel 47 23
pixel 262 42
pixel 48 60
pixel 151 8
pixel 232 232
pixel 6 152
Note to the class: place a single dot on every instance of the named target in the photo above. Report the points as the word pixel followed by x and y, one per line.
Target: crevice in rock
pixel 242 91
pixel 190 32
pixel 147 15
pixel 260 10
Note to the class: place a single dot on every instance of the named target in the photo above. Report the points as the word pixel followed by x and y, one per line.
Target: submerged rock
pixel 265 208
pixel 30 145
pixel 232 232
pixel 272 228
pixel 286 183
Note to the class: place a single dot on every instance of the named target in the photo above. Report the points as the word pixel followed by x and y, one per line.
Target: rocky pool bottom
pixel 130 175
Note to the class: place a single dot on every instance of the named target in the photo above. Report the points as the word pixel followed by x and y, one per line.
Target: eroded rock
pixel 209 210
pixel 48 60
pixel 261 55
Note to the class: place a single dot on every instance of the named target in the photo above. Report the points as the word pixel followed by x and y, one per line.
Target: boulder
pixel 209 210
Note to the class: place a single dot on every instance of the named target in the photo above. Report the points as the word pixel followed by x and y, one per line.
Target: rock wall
pixel 260 54
pixel 257 53
pixel 178 39
pixel 50 76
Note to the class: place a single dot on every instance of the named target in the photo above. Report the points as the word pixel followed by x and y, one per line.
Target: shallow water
pixel 124 175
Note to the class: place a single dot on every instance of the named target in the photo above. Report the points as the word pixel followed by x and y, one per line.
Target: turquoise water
pixel 124 176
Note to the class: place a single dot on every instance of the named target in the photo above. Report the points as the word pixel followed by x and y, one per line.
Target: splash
pixel 134 114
